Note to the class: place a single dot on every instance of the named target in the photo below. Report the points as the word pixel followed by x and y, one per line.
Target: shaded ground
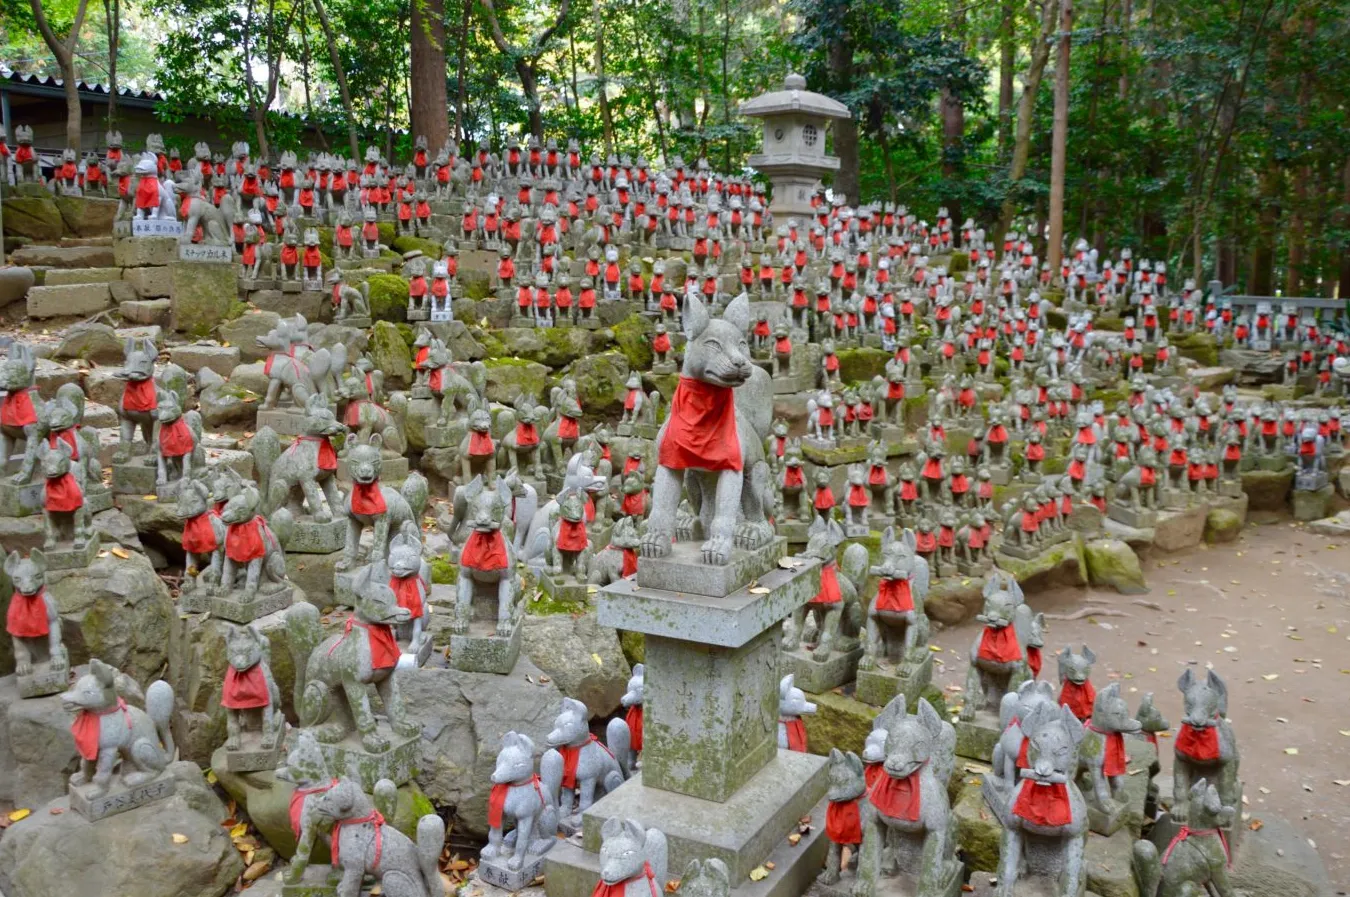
pixel 1271 614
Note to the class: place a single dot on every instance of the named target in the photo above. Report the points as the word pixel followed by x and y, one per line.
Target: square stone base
pixel 437 436
pixel 565 587
pixel 343 592
pixel 495 873
pixel 65 556
pixel 794 531
pixel 317 881
pixel 975 740
pixel 119 798
pixel 684 571
pixel 398 764
pixel 98 499
pixel 1023 552
pixel 309 536
pixel 252 756
pixel 43 681
pixel 747 831
pixel 481 650
pixel 196 601
pixel 1139 518
pixel 134 477
pixel 1105 820
pixel 877 687
pixel 817 676
pixel 286 421
pixel 234 607
pixel 20 501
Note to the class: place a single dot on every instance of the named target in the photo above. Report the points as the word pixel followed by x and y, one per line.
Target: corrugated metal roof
pixel 14 77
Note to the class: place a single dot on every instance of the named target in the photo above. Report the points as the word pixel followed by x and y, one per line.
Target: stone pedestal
pixel 285 420
pixel 134 477
pixel 1139 518
pixel 563 587
pixel 200 294
pixel 494 872
pixel 44 680
pixel 251 755
pixel 237 608
pixel 398 764
pixel 65 556
pixel 317 881
pixel 20 501
pixel 713 779
pixel 975 739
pixel 878 686
pixel 482 650
pixel 119 798
pixel 309 536
pixel 818 676
pixel 682 571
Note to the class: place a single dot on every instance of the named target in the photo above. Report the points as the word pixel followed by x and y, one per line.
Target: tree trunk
pixel 459 72
pixel 602 88
pixel 953 127
pixel 529 85
pixel 1007 60
pixel 1040 54
pixel 848 179
pixel 64 51
pixel 1059 138
pixel 112 16
pixel 429 110
pixel 341 74
pixel 304 76
pixel 1344 282
pixel 527 60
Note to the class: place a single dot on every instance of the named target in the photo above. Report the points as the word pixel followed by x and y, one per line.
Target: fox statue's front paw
pixel 717 551
pixel 656 545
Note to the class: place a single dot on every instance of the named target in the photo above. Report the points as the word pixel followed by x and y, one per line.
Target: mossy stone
pixel 861 365
pixel 37 218
pixel 430 248
pixel 1111 562
pixel 390 353
pixel 634 646
pixel 977 828
pixel 444 571
pixel 601 384
pixel 388 297
pixel 634 337
pixel 508 378
pixel 1222 525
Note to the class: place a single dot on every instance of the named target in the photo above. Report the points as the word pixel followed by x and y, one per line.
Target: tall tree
pixel 1026 108
pixel 63 48
pixel 526 59
pixel 429 106
pixel 1059 137
pixel 112 14
pixel 340 75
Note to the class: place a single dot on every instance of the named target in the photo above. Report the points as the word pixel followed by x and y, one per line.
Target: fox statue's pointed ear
pixel 695 316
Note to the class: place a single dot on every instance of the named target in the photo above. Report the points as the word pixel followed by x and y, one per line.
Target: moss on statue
pixel 390 353
pixel 430 248
pixel 634 646
pixel 444 571
pixel 634 337
pixel 861 365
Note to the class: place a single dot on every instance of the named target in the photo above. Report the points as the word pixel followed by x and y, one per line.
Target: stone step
pixel 70 299
pixel 58 277
pixel 146 311
pixel 64 256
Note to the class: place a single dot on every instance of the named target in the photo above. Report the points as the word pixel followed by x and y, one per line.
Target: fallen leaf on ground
pixel 22 813
pixel 179 839
pixel 759 873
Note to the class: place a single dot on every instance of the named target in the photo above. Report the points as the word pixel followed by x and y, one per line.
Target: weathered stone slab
pixel 141 252
pixel 481 650
pixel 70 300
pixel 818 676
pixel 134 477
pixel 20 501
pixel 398 764
pixel 238 609
pixel 877 687
pixel 119 798
pixel 251 755
pixel 62 277
pixel 204 252
pixel 309 536
pixel 67 557
pixel 498 875
pixel 156 227
pixel 975 739
pixel 43 681
pixel 149 282
pixel 683 571
pixel 201 295
pixel 146 311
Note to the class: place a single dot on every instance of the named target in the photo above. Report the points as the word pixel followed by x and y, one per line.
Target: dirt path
pixel 1271 614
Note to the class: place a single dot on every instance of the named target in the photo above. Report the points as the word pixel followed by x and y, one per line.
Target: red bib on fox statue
pixel 701 430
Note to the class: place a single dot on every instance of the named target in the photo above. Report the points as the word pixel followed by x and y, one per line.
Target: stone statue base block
pixel 65 556
pixel 877 687
pixel 975 739
pixel 119 798
pixel 393 470
pixel 236 608
pixel 817 676
pixel 1312 504
pixel 794 531
pixel 398 764
pixel 134 477
pixel 1023 552
pixel 1106 820
pixel 285 421
pixel 98 500
pixel 309 536
pixel 684 571
pixel 1139 518
pixel 985 884
pixel 562 587
pixel 747 831
pixel 1231 488
pixel 20 501
pixel 197 601
pixel 43 681
pixel 437 436
pixel 481 650
pixel 252 756
pixel 729 621
pixel 903 884
pixel 317 881
pixel 496 873
pixel 360 322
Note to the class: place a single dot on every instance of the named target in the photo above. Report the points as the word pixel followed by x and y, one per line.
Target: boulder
pixel 583 658
pixel 49 376
pixel 508 378
pixel 1211 379
pixel 388 297
pixel 1222 525
pixel 1058 565
pixel 463 718
pixel 142 251
pixel 34 217
pixel 221 359
pixel 87 216
pixel 117 610
pixel 952 600
pixel 102 385
pixel 250 376
pixel 309 303
pixel 201 296
pixel 98 415
pixel 977 828
pixel 1112 563
pixel 1180 529
pixel 15 281
pixel 1336 525
pixel 228 403
pixel 91 342
pixel 37 752
pixel 117 529
pixel 1276 859
pixel 1253 367
pixel 1312 504
pixel 390 354
pixel 136 852
pixel 1267 490
pixel 244 331
pixel 1110 872
pixel 601 384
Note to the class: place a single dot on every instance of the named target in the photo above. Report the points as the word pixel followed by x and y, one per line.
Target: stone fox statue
pixel 33 620
pixel 307 770
pixel 1195 862
pixel 578 764
pixel 363 843
pixel 18 409
pixel 108 730
pixel 250 691
pixel 332 676
pixel 517 795
pixel 712 442
pixel 632 861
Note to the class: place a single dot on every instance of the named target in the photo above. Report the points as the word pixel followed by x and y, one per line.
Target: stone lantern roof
pixel 794 98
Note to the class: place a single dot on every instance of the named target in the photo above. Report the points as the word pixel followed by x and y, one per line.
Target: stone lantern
pixel 794 156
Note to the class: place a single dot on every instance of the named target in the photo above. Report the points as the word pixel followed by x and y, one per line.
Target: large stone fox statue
pixel 712 443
